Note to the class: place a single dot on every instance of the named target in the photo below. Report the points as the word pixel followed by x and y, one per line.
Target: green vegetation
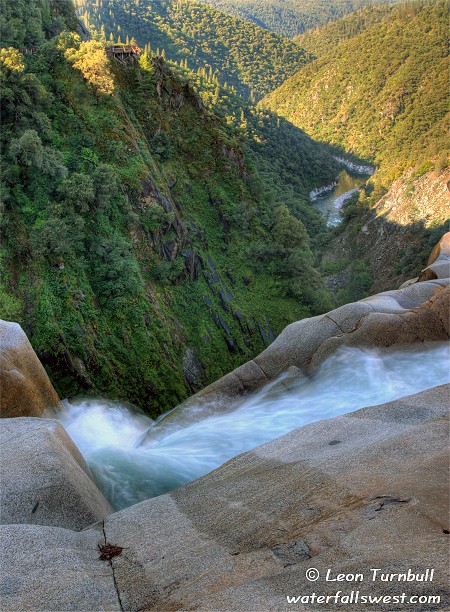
pixel 244 55
pixel 381 94
pixel 288 18
pixel 378 89
pixel 289 163
pixel 324 39
pixel 132 220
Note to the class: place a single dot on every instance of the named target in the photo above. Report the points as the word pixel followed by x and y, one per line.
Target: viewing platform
pixel 123 53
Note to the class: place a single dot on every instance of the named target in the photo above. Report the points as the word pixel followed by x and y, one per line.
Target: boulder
pixel 361 491
pixel 442 249
pixel 439 261
pixel 25 387
pixel 44 479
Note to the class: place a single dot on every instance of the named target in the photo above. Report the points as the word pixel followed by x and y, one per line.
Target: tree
pixel 91 59
pixel 77 191
pixel 28 150
pixel 289 232
pixel 106 184
pixel 153 217
pixel 12 59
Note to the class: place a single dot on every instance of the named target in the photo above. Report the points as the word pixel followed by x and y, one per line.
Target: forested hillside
pixel 289 163
pixel 382 93
pixel 288 18
pixel 140 250
pixel 379 89
pixel 241 54
pixel 324 39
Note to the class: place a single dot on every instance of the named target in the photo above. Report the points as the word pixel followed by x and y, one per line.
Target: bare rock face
pixel 439 261
pixel 25 387
pixel 44 479
pixel 393 232
pixel 348 495
pixel 48 568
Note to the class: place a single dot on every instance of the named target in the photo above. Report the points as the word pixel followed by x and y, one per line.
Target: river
pixel 330 202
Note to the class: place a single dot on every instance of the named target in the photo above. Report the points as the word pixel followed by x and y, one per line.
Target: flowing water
pixel 109 434
pixel 331 202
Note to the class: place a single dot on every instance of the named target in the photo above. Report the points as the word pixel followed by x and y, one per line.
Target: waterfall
pixel 109 433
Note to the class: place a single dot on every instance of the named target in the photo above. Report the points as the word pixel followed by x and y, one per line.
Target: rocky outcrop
pixel 361 491
pixel 44 479
pixel 439 261
pixel 48 568
pixel 395 232
pixel 417 313
pixel 358 168
pixel 25 387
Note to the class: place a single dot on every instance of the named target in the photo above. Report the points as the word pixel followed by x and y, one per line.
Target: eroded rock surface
pixel 44 479
pixel 361 491
pixel 25 387
pixel 439 261
pixel 49 569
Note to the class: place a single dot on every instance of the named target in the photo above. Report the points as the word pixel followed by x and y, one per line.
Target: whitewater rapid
pixel 330 200
pixel 109 434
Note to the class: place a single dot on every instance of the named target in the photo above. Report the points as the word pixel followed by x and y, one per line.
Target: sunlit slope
pixel 382 93
pixel 252 59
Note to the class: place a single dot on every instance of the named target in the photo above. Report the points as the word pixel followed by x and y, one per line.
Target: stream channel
pixel 129 466
pixel 330 202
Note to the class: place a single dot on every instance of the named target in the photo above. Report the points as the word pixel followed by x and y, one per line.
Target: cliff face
pixel 394 236
pixel 399 233
pixel 129 213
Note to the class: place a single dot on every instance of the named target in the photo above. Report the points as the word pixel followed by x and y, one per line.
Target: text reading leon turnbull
pixel 377 575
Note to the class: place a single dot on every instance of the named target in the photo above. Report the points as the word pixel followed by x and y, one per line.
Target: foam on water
pixel 330 202
pixel 109 434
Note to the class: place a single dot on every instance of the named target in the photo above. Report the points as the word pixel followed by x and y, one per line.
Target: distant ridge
pixel 289 18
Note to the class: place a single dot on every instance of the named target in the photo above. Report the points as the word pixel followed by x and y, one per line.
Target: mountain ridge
pixel 251 59
pixel 380 93
pixel 289 18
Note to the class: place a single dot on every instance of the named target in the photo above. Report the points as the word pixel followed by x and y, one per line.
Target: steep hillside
pixel 324 39
pixel 385 241
pixel 287 160
pixel 378 89
pixel 289 163
pixel 381 94
pixel 288 18
pixel 136 250
pixel 242 54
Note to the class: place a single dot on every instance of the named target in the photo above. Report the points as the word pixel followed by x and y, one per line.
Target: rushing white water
pixel 109 434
